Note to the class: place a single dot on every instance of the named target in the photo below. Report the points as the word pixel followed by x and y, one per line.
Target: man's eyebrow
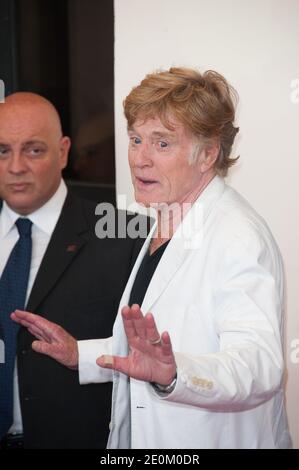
pixel 168 134
pixel 131 129
pixel 161 133
pixel 33 142
pixel 25 144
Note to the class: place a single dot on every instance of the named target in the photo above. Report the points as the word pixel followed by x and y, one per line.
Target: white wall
pixel 254 44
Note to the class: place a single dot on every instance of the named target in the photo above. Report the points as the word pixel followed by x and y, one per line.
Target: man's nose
pixel 17 164
pixel 144 155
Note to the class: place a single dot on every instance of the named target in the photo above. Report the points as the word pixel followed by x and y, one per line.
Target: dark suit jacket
pixel 78 286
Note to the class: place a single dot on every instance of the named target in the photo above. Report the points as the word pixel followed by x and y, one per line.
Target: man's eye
pixel 35 151
pixel 135 140
pixel 3 152
pixel 162 144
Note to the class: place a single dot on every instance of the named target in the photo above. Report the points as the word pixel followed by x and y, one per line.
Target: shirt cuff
pixel 89 351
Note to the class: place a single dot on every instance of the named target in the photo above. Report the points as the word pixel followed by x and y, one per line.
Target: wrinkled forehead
pixel 27 121
pixel 170 127
pixel 164 121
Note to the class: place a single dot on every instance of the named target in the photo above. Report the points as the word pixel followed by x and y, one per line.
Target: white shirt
pixel 218 291
pixel 43 221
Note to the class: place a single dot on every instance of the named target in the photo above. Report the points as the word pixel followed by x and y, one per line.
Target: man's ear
pixel 65 145
pixel 209 156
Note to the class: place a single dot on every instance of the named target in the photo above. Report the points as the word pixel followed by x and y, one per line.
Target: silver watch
pixel 165 388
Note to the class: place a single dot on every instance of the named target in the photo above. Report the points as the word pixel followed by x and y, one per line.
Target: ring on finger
pixel 155 341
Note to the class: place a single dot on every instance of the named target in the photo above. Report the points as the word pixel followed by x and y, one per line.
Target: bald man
pixel 75 279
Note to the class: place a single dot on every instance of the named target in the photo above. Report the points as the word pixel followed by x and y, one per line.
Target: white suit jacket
pixel 218 291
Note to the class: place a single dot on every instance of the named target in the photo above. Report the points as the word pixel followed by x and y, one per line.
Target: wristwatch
pixel 165 388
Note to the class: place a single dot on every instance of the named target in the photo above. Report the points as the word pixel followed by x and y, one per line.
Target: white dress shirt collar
pixel 45 218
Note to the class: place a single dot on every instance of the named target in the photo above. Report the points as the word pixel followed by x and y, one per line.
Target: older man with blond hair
pixel 205 368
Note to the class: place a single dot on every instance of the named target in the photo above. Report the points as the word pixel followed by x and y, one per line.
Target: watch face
pixel 165 388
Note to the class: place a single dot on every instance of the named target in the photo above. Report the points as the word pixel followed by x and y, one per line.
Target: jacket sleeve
pixel 248 302
pixel 89 351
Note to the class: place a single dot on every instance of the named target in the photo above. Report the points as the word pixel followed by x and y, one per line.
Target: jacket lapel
pixel 126 294
pixel 187 238
pixel 169 264
pixel 66 242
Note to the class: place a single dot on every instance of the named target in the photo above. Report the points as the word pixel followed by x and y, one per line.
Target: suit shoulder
pixel 235 220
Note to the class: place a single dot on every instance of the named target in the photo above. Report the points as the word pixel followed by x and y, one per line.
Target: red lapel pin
pixel 71 248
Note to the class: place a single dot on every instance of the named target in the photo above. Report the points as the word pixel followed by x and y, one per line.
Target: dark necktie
pixel 13 289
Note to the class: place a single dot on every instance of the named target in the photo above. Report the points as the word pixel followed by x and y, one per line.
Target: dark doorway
pixel 64 50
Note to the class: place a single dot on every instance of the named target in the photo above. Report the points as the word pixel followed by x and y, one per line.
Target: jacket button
pixel 24 352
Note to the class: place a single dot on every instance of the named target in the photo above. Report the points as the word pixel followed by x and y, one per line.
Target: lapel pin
pixel 71 248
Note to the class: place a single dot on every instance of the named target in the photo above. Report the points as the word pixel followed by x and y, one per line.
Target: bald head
pixel 25 104
pixel 32 151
